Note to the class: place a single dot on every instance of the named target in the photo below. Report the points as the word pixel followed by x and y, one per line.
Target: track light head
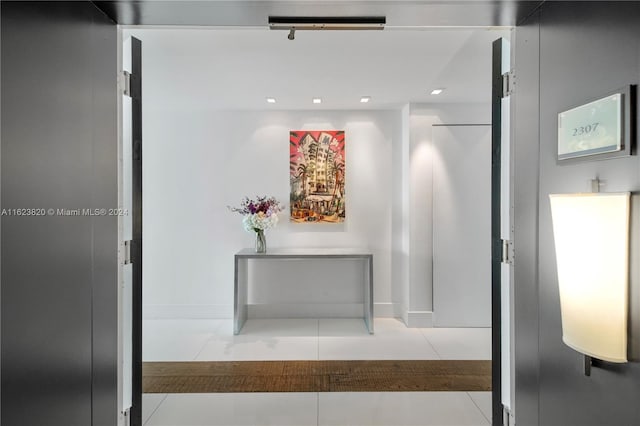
pixel 293 23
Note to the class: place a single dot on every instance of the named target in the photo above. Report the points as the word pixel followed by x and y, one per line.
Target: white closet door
pixel 462 226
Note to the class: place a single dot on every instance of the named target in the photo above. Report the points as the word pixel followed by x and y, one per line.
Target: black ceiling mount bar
pixel 327 22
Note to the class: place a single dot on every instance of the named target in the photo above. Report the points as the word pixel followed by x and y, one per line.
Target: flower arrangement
pixel 259 214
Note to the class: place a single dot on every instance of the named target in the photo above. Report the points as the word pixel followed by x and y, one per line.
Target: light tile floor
pixel 313 339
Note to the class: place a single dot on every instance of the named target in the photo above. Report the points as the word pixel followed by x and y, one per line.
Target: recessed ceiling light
pixel 317 100
pixel 437 91
pixel 271 100
pixel 365 99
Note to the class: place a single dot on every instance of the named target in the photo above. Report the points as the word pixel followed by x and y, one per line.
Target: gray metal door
pixel 136 229
pixel 501 247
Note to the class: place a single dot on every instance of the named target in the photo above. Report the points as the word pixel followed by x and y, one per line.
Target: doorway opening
pixel 415 107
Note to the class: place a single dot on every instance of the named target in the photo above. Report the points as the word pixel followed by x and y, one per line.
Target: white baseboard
pixel 403 314
pixel 418 319
pixel 305 310
pixel 386 310
pixel 326 310
pixel 187 311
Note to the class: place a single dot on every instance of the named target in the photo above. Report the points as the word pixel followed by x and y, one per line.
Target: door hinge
pixel 127 417
pixel 507 417
pixel 127 252
pixel 507 252
pixel 125 79
pixel 508 83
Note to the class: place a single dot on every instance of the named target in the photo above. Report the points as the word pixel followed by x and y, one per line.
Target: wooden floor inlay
pixel 315 376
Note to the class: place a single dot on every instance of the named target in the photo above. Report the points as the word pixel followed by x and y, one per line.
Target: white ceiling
pixel 239 68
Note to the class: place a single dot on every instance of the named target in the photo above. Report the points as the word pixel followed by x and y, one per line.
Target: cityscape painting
pixel 317 176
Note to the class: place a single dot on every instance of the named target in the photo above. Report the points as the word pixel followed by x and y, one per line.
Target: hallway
pixel 314 339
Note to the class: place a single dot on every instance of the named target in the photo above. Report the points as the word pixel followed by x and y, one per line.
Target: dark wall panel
pixel 58 151
pixel 526 106
pixel 104 184
pixel 586 49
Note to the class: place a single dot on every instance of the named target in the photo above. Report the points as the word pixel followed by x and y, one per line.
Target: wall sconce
pixel 591 233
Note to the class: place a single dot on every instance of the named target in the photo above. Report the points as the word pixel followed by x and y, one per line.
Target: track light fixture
pixel 293 23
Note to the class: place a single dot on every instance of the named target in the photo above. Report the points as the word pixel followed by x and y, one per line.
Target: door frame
pixel 496 240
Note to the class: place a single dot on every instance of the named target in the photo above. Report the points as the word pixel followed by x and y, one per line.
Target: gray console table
pixel 242 258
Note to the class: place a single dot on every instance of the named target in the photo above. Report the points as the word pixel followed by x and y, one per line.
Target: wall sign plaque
pixel 599 128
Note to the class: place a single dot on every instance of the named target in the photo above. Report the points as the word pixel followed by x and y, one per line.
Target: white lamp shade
pixel 591 233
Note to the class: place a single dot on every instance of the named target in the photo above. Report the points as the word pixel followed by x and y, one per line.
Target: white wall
pixel 462 226
pixel 420 215
pixel 198 159
pixel 400 216
pixel 198 162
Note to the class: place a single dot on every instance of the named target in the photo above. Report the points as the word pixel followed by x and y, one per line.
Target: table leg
pixel 368 293
pixel 240 291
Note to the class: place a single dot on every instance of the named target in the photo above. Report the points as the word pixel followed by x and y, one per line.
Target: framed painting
pixel 317 176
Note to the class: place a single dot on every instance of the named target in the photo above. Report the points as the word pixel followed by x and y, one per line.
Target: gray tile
pixel 460 343
pixel 483 402
pixel 150 403
pixel 399 408
pixel 255 409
